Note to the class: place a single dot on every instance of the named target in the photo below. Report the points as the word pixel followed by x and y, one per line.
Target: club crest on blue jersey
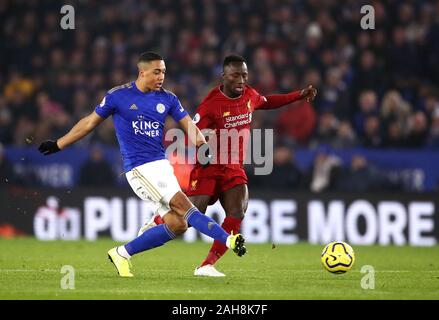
pixel 160 107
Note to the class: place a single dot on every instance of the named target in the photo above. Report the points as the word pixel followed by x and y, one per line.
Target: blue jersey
pixel 139 119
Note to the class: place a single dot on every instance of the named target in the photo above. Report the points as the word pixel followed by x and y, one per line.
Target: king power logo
pixel 146 128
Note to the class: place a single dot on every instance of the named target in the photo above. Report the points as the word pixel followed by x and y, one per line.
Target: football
pixel 338 257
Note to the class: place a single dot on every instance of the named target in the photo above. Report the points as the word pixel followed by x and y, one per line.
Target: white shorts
pixel 155 183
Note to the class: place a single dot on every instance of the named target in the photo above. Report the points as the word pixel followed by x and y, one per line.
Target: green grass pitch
pixel 31 269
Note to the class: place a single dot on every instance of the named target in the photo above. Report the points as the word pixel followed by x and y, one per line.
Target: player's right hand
pixel 48 147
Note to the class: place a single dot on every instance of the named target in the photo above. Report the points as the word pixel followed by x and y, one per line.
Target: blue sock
pixel 206 225
pixel 152 238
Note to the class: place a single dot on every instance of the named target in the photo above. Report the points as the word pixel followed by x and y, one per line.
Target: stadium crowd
pixel 377 88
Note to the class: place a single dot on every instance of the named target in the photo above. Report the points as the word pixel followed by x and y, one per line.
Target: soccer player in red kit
pixel 230 106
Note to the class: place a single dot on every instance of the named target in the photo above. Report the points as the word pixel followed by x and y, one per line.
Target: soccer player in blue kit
pixel 139 110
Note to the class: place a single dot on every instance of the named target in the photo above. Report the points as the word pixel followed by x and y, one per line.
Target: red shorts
pixel 214 180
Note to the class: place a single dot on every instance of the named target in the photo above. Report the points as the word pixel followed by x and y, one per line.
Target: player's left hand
pixel 308 93
pixel 49 147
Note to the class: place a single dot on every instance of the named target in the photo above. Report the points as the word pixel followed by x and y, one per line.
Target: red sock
pixel 158 220
pixel 218 249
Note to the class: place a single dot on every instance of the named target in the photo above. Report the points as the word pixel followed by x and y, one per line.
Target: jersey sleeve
pixel 203 118
pixel 259 100
pixel 275 101
pixel 177 111
pixel 107 107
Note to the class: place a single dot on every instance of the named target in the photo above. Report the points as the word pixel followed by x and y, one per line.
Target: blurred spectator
pixel 394 135
pixel 293 46
pixel 334 95
pixel 360 177
pixel 96 171
pixel 418 127
pixel 22 106
pixel 285 175
pixel 345 137
pixel 395 108
pixel 433 138
pixel 5 122
pixel 395 112
pixel 368 106
pixel 326 130
pixel 369 75
pixel 325 171
pixel 17 84
pixel 104 134
pixel 372 137
pixel 403 60
pixel 23 129
pixel 53 118
pixel 430 103
pixel 296 122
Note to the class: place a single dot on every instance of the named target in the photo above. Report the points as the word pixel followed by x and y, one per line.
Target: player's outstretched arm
pixel 197 137
pixel 275 101
pixel 79 131
pixel 194 134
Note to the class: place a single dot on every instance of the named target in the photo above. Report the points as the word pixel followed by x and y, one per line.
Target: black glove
pixel 204 155
pixel 48 147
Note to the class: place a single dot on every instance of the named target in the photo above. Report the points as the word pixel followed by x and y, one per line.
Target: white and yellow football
pixel 338 257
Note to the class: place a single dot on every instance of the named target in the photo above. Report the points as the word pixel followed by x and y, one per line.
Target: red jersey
pixel 231 117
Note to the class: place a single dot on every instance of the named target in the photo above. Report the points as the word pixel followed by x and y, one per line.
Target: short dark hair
pixel 233 58
pixel 149 56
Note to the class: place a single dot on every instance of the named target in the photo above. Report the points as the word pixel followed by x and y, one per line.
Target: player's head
pixel 152 70
pixel 235 74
